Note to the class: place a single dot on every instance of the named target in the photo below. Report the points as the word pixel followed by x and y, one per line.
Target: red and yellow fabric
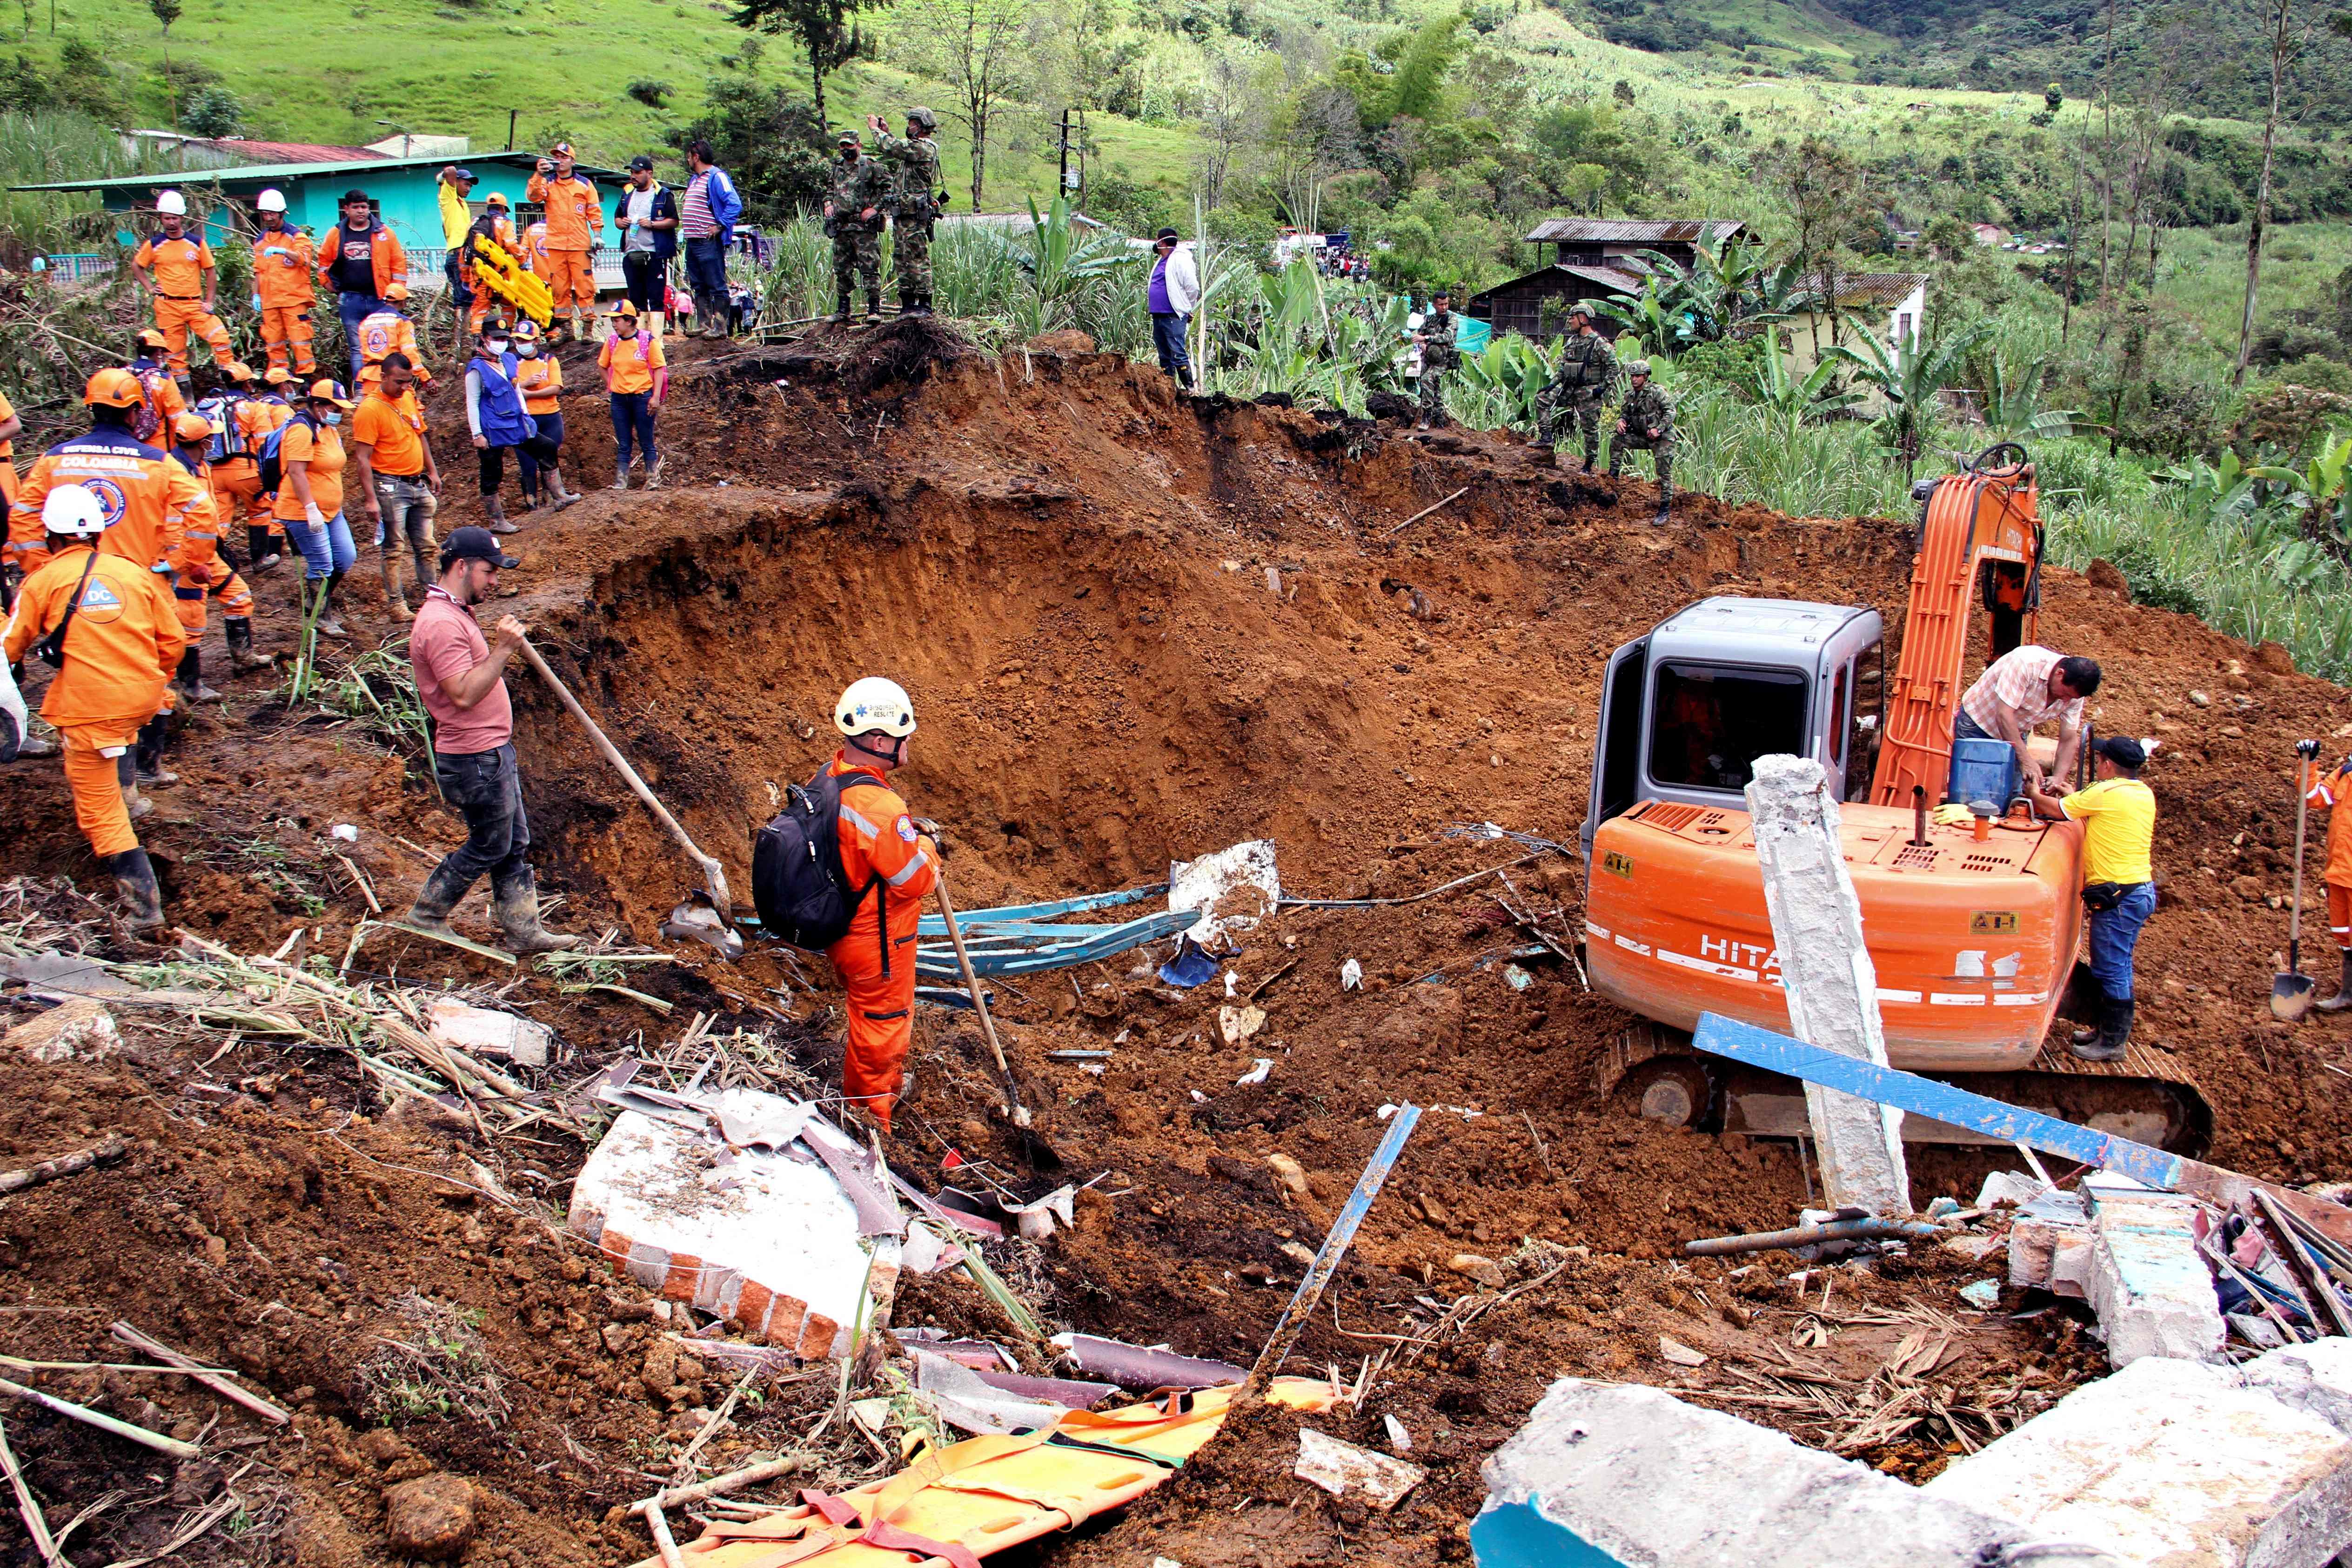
pixel 8 456
pixel 879 845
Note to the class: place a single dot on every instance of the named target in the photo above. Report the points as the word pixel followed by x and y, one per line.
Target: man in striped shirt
pixel 707 215
pixel 2025 687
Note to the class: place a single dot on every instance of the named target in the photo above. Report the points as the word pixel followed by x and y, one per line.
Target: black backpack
pixel 798 883
pixel 272 465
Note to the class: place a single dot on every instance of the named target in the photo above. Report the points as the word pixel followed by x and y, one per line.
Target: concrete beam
pixel 1826 970
pixel 2174 1462
pixel 1624 1476
pixel 2147 1280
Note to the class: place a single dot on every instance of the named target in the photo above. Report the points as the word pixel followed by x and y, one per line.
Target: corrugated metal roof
pixel 1612 279
pixel 262 174
pixel 1880 289
pixel 283 151
pixel 1633 231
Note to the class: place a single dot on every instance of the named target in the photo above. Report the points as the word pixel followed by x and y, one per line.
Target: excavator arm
pixel 1981 535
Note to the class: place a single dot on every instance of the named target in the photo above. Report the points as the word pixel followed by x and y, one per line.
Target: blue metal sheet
pixel 1018 948
pixel 1924 1096
pixel 934 925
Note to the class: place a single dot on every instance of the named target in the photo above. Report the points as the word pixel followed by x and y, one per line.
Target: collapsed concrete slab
pixel 769 1242
pixel 2050 1244
pixel 1623 1476
pixel 2147 1280
pixel 2180 1463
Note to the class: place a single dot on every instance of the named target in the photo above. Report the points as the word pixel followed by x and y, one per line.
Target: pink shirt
pixel 444 642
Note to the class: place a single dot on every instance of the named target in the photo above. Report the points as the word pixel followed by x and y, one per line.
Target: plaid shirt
pixel 2020 680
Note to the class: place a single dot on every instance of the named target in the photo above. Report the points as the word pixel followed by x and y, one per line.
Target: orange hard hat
pixel 192 428
pixel 113 388
pixel 396 290
pixel 152 338
pixel 277 375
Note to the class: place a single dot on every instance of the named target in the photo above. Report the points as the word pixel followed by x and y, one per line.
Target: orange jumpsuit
pixel 574 221
pixel 281 276
pixel 877 960
pixel 2332 793
pixel 383 332
pixel 202 572
pixel 8 457
pixel 179 266
pixel 237 480
pixel 145 496
pixel 119 654
pixel 534 249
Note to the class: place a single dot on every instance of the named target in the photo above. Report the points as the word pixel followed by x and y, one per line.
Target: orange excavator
pixel 1972 928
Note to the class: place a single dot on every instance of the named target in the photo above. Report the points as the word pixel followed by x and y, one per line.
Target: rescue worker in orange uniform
pixel 234 467
pixel 892 867
pixel 496 225
pixel 161 401
pixel 119 651
pixel 575 220
pixel 534 251
pixel 390 330
pixel 267 410
pixel 203 573
pixel 2332 793
pixel 282 260
pixel 146 496
pixel 178 271
pixel 11 427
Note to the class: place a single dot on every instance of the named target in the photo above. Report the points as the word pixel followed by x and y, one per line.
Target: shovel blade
pixel 2291 997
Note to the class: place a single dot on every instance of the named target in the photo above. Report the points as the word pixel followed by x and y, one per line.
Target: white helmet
pixel 172 203
pixel 873 704
pixel 271 201
pixel 73 512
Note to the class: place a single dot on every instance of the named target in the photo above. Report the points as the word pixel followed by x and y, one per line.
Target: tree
pixel 2286 40
pixel 2053 98
pixel 973 46
pixel 1826 194
pixel 212 111
pixel 166 11
pixel 1226 103
pixel 823 29
pixel 772 143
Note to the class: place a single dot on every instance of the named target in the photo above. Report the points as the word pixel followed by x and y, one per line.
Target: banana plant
pixel 1810 397
pixel 1506 378
pixel 2320 488
pixel 1908 375
pixel 1060 265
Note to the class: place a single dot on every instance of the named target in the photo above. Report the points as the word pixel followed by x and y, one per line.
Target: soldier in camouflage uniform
pixel 853 216
pixel 1581 380
pixel 1645 423
pixel 1438 355
pixel 914 204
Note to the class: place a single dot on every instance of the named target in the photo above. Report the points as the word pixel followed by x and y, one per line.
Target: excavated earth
pixel 1137 628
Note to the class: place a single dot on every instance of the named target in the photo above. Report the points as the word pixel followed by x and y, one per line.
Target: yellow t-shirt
pixel 2118 818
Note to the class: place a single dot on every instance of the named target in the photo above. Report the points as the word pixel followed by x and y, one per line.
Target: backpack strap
pixel 842 783
pixel 52 647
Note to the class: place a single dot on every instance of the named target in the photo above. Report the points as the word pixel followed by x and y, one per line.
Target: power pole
pixel 1073 155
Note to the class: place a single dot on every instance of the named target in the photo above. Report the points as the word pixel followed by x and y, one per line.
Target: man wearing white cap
pixel 282 259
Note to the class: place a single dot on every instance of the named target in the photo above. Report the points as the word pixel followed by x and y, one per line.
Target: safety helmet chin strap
pixel 898 744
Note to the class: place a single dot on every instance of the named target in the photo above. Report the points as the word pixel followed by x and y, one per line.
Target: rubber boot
pixel 1665 501
pixel 439 895
pixel 147 769
pixel 515 909
pixel 192 678
pixel 2104 1044
pixel 241 656
pixel 564 494
pixel 494 509
pixel 134 879
pixel 909 303
pixel 621 477
pixel 126 778
pixel 2343 998
pixel 330 620
pixel 874 304
pixel 258 545
pixel 923 303
pixel 654 473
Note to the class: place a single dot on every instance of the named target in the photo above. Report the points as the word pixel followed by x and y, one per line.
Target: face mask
pixel 529 351
pixel 496 346
pixel 334 417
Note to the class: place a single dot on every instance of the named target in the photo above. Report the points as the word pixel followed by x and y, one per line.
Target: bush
pixel 652 94
pixel 1129 205
pixel 212 111
pixel 2285 418
pixel 2150 584
pixel 772 143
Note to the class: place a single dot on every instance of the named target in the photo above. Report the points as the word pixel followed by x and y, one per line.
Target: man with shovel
pixel 885 858
pixel 2119 816
pixel 460 677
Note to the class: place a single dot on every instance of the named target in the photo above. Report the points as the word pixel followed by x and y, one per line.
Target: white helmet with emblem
pixel 73 510
pixel 172 203
pixel 874 703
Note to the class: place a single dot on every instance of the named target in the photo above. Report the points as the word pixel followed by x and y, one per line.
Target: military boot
pixel 134 879
pixel 515 908
pixel 192 678
pixel 440 894
pixel 874 305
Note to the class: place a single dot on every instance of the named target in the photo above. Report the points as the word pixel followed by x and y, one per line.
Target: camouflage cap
pixel 848 139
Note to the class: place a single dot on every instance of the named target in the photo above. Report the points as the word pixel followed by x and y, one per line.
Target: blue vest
pixel 504 423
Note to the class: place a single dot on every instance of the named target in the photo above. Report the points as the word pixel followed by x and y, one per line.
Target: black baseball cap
pixel 640 162
pixel 2123 752
pixel 475 545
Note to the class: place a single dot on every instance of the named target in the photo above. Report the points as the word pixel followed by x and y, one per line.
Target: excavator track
pixel 2148 1096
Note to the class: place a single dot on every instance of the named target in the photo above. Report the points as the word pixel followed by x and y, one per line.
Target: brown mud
pixel 1137 627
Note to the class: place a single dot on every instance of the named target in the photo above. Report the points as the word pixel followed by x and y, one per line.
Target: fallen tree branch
pixel 1424 511
pixel 35 1524
pixel 718 1486
pixel 114 1147
pixel 155 1440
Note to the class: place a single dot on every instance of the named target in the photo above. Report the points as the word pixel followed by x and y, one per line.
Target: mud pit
pixel 1135 629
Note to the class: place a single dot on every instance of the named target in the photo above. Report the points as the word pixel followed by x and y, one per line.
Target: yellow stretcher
pixel 498 270
pixel 958 1504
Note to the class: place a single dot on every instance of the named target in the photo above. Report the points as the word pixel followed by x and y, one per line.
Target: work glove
pixel 256 304
pixel 317 518
pixel 1952 814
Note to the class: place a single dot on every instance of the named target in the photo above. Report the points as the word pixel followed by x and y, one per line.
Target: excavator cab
pixel 1686 710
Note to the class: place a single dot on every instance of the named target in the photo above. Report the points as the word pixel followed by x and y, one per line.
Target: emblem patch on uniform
pixel 907 830
pixel 99 596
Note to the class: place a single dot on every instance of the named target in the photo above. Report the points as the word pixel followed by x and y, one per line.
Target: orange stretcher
pixel 958 1504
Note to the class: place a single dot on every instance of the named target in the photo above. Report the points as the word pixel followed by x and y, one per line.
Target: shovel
pixel 2291 991
pixel 1012 1106
pixel 714 876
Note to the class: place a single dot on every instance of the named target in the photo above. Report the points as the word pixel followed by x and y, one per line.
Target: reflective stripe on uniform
pixel 859 823
pixel 906 870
